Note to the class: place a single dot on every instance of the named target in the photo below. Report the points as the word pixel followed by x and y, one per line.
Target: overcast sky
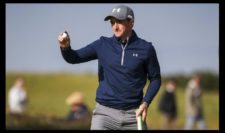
pixel 185 36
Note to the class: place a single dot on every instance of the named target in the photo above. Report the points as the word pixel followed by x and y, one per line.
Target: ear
pixel 132 23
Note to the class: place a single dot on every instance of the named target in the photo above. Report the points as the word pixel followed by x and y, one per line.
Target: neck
pixel 124 39
pixel 127 36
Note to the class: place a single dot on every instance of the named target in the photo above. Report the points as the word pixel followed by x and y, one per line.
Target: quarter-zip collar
pixel 132 38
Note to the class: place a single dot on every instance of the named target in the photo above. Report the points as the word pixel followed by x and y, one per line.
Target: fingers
pixel 142 110
pixel 144 115
pixel 64 39
pixel 138 112
pixel 60 38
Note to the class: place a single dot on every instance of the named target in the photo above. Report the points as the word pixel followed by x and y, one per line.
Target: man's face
pixel 121 28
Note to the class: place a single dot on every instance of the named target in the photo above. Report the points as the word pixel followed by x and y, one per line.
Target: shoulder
pixel 12 89
pixel 13 92
pixel 146 44
pixel 98 42
pixel 191 84
pixel 142 41
pixel 149 46
pixel 102 40
pixel 106 39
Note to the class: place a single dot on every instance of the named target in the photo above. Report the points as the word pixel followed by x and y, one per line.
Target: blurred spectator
pixel 167 106
pixel 78 109
pixel 194 111
pixel 17 97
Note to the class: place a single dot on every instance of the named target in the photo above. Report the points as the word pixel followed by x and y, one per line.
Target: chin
pixel 117 35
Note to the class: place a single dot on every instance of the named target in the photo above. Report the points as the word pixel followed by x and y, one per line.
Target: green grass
pixel 42 121
pixel 47 94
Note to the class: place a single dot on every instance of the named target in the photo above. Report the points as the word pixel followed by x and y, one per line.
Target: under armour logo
pixel 117 10
pixel 135 54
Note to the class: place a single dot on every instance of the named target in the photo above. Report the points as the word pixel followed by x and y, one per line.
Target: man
pixel 78 109
pixel 194 109
pixel 168 106
pixel 125 61
pixel 17 97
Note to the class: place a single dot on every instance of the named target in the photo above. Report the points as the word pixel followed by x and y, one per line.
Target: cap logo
pixel 117 10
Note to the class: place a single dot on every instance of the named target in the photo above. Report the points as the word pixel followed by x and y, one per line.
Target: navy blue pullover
pixel 122 71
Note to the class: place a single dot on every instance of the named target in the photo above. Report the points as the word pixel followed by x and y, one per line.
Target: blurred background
pixel 185 36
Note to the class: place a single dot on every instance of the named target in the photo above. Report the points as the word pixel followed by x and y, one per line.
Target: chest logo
pixel 135 54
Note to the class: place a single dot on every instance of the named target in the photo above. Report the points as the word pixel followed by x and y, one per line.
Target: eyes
pixel 113 21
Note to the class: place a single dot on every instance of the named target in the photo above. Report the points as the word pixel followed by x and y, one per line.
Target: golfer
pixel 125 62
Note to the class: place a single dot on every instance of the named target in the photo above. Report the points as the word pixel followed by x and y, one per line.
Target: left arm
pixel 154 77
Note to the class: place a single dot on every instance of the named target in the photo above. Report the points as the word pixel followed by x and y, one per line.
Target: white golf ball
pixel 64 35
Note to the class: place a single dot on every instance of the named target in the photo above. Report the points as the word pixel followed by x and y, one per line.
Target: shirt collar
pixel 130 38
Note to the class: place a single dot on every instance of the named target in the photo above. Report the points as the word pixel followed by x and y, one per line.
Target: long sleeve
pixel 154 76
pixel 84 54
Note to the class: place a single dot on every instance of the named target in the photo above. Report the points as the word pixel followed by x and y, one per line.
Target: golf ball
pixel 64 35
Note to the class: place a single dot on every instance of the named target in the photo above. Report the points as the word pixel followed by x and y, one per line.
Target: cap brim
pixel 108 17
pixel 111 16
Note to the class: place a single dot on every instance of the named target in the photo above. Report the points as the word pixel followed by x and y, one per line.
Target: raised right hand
pixel 64 39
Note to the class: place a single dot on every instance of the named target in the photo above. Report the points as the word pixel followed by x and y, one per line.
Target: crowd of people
pixel 167 104
pixel 193 105
pixel 18 101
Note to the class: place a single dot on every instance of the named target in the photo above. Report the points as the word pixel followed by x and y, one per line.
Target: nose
pixel 115 25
